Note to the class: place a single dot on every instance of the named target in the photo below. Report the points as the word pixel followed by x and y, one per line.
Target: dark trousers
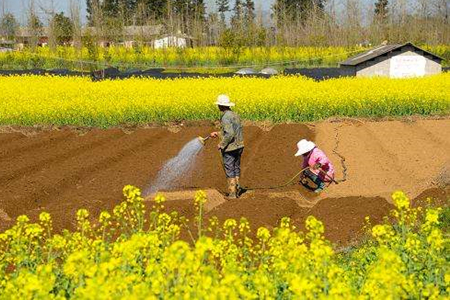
pixel 314 178
pixel 232 162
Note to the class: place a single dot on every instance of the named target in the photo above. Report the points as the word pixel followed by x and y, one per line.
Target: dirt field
pixel 62 170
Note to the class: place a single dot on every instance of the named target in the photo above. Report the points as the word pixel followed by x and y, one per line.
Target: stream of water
pixel 175 168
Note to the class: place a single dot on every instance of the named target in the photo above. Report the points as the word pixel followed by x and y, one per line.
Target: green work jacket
pixel 232 135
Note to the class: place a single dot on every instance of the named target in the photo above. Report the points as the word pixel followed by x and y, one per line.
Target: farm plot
pixel 62 170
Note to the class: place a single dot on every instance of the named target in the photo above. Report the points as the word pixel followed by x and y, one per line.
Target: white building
pixel 178 41
pixel 395 61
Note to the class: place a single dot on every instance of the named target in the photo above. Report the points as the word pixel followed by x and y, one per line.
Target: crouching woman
pixel 319 168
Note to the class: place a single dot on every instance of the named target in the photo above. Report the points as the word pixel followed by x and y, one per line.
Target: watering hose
pixel 289 182
pixel 203 140
pixel 282 185
pixel 278 186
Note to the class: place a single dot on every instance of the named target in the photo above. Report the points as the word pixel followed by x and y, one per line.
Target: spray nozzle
pixel 203 140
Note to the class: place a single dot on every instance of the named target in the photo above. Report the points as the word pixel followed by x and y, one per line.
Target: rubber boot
pixel 320 188
pixel 232 188
pixel 238 187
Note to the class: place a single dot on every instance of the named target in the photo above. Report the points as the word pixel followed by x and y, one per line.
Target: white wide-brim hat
pixel 304 146
pixel 224 100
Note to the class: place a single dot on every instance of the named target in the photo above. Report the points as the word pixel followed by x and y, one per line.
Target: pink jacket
pixel 318 156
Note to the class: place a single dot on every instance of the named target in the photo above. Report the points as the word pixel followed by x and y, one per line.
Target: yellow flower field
pixel 197 58
pixel 31 100
pixel 146 57
pixel 124 255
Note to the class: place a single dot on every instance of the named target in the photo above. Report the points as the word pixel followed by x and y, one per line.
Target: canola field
pixel 31 100
pixel 128 254
pixel 200 59
pixel 148 57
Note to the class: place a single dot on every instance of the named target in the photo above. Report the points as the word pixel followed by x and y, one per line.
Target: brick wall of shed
pixel 380 66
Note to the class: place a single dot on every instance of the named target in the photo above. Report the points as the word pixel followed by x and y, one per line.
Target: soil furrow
pixel 29 170
pixel 12 151
pixel 61 171
pixel 6 138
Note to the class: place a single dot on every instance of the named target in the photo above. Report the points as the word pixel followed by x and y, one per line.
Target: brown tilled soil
pixel 62 170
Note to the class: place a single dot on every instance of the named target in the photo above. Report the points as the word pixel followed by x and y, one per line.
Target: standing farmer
pixel 231 144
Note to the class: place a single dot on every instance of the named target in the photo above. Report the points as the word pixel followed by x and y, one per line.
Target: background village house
pixel 6 45
pixel 132 35
pixel 178 40
pixel 25 36
pixel 128 36
pixel 395 61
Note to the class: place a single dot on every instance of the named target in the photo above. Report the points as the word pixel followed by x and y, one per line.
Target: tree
pixel 238 13
pixel 143 10
pixel 249 11
pixel 442 10
pixel 75 16
pixel 179 6
pixel 62 27
pixel 93 9
pixel 319 3
pixel 295 10
pixel 8 26
pixel 156 8
pixel 238 10
pixel 223 6
pixel 381 9
pixel 110 8
pixel 35 27
pixel 129 9
pixel 198 9
pixel 184 15
pixel 35 24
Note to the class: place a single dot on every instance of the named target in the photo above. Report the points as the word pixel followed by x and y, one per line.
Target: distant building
pixel 395 61
pixel 128 36
pixel 148 32
pixel 176 40
pixel 6 45
pixel 5 49
pixel 151 35
pixel 27 36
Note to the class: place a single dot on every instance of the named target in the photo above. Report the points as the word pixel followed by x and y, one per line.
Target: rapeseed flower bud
pixel 44 217
pixel 160 199
pixel 435 239
pixel 382 233
pixel 230 224
pixel 400 200
pixel 263 234
pixel 22 219
pixel 104 217
pixel 200 198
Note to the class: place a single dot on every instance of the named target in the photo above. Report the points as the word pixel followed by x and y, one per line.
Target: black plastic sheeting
pixel 113 73
pixel 57 72
pixel 316 73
